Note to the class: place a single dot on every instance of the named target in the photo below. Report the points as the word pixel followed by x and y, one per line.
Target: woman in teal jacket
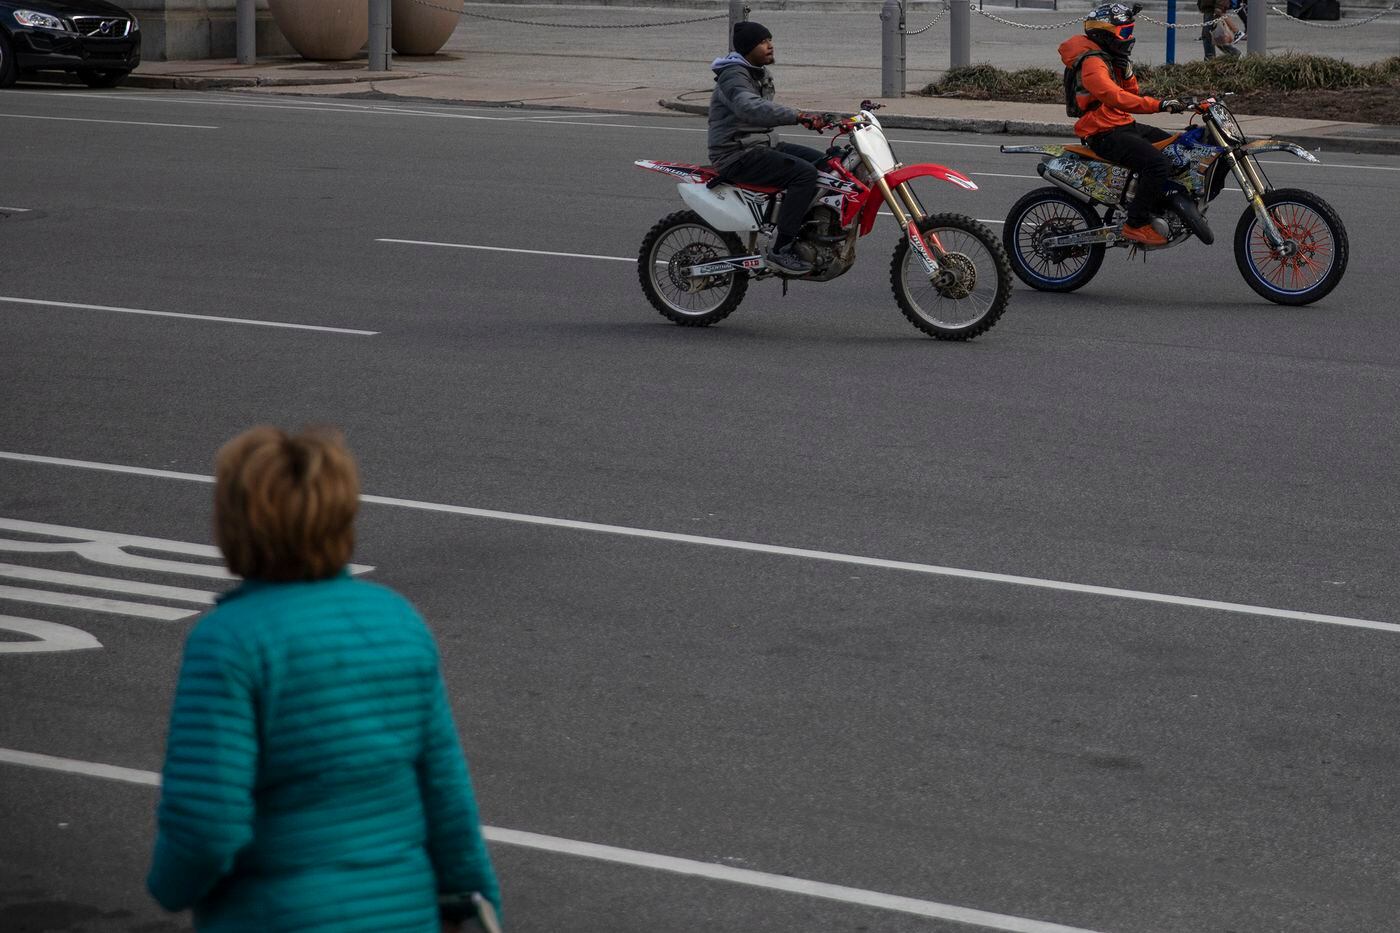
pixel 313 778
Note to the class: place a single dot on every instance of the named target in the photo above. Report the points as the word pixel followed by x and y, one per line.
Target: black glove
pixel 1172 106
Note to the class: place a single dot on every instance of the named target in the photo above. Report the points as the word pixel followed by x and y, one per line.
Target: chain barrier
pixel 933 22
pixel 1007 22
pixel 1164 25
pixel 1360 22
pixel 1156 22
pixel 526 22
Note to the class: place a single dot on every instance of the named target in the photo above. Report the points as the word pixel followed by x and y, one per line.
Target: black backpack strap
pixel 1079 76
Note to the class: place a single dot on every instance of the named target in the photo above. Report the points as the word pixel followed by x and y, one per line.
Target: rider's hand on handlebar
pixel 816 121
pixel 1172 106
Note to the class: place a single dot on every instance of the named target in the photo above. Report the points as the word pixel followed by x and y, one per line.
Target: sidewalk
pixel 629 69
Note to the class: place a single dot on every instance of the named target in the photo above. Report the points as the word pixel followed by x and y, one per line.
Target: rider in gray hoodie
pixel 742 117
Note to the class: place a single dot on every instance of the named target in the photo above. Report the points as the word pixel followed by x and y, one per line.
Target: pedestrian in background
pixel 1217 30
pixel 313 778
pixel 1210 10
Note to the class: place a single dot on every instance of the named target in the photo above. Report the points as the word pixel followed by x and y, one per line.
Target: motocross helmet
pixel 1110 25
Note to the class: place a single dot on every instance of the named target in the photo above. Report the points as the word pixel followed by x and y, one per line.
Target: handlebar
pixel 844 124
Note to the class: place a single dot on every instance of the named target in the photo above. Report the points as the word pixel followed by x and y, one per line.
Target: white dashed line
pixel 505 249
pixel 180 126
pixel 192 317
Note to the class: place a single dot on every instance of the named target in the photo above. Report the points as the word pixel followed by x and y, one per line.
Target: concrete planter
pixel 422 30
pixel 323 30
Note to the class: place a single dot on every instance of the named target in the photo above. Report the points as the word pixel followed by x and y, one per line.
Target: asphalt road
pixel 1117 763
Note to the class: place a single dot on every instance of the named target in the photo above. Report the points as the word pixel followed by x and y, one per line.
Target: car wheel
pixel 103 78
pixel 8 71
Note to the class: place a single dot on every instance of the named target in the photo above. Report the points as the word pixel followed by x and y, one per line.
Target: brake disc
pixel 692 255
pixel 963 278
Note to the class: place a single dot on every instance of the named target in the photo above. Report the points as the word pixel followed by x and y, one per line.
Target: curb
pixel 1353 144
pixel 219 82
pixel 945 124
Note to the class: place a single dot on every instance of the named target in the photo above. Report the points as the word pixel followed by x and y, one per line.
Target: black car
pixel 97 40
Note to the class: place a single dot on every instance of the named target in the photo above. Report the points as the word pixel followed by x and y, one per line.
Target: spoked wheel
pixel 969 293
pixel 1314 255
pixel 1040 215
pixel 678 242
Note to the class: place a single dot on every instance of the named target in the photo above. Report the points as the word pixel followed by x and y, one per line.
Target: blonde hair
pixel 284 505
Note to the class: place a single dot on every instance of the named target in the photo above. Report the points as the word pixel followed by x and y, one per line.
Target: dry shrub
pixel 1291 72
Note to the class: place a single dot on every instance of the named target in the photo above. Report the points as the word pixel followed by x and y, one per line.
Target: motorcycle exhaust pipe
pixel 1186 210
pixel 1062 182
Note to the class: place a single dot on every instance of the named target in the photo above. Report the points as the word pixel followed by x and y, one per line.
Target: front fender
pixel 1279 145
pixel 900 175
pixel 930 170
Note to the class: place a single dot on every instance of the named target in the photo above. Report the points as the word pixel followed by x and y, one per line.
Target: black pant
pixel 1131 145
pixel 787 166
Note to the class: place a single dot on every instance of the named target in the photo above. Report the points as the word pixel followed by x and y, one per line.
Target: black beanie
pixel 747 35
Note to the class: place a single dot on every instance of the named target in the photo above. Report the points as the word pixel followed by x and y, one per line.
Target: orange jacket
pixel 1116 93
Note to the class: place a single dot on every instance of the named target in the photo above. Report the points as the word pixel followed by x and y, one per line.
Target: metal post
pixel 247 33
pixel 738 12
pixel 892 40
pixel 1258 42
pixel 1171 32
pixel 381 55
pixel 960 38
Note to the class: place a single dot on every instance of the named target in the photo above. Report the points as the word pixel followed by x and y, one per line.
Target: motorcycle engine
pixel 822 243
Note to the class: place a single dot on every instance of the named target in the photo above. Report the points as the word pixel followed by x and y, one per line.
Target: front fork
pixel 909 214
pixel 1253 185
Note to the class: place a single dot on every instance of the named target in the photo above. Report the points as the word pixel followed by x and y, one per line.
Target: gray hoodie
pixel 742 112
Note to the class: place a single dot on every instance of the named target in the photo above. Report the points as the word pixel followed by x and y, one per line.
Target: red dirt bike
pixel 950 273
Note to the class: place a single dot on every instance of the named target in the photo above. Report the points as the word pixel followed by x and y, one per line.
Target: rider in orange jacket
pixel 1108 95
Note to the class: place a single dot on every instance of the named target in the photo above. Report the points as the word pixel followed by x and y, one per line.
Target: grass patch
pixel 1292 72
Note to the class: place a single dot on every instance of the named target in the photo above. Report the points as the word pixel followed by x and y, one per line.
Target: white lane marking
pixel 47 636
pixel 121 607
pixel 72 766
pixel 1088 589
pixel 107 547
pixel 504 249
pixel 668 863
pixel 545 118
pixel 107 584
pixel 785 883
pixel 182 126
pixel 17 210
pixel 545 252
pixel 194 317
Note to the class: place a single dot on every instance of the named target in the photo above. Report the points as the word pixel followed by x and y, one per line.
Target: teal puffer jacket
pixel 313 778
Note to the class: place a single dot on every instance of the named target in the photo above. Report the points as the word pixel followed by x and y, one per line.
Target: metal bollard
pixel 1258 41
pixel 247 32
pixel 892 41
pixel 738 12
pixel 960 34
pixel 1171 32
pixel 381 53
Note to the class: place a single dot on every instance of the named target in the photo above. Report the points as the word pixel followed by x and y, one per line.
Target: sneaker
pixel 785 260
pixel 1145 234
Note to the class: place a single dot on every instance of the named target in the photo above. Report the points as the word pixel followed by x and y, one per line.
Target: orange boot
pixel 1145 234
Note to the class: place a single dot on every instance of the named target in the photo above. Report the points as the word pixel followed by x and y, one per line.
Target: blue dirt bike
pixel 1290 245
